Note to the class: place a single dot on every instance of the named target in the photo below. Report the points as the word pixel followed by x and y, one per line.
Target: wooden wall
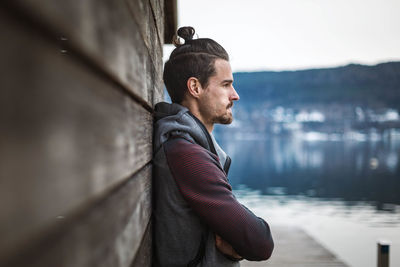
pixel 79 80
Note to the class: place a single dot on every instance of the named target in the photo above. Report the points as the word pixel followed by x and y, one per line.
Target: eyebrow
pixel 227 81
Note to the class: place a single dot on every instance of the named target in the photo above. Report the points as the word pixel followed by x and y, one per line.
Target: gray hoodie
pixel 180 238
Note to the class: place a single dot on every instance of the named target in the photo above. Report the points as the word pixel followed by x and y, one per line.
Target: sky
pixel 296 34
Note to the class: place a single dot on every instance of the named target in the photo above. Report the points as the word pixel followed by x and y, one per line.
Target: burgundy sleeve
pixel 204 186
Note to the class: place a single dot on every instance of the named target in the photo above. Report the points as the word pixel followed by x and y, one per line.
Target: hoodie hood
pixel 176 120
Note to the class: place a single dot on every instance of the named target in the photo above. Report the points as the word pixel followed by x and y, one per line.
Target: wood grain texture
pixel 106 34
pixel 144 254
pixel 67 135
pixel 109 234
pixel 158 13
pixel 143 14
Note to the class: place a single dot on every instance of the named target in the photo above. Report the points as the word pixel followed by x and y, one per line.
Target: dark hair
pixel 193 58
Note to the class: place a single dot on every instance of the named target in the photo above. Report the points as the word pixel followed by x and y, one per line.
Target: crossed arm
pixel 204 186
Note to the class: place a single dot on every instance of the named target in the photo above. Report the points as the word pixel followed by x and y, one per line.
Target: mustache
pixel 229 105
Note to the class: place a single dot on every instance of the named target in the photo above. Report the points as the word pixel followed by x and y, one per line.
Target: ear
pixel 194 87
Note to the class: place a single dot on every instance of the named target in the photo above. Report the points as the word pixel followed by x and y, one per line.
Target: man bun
pixel 186 33
pixel 191 58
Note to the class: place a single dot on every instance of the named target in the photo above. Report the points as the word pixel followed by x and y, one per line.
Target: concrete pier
pixel 295 248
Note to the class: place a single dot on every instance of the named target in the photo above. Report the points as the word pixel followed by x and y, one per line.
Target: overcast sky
pixel 297 34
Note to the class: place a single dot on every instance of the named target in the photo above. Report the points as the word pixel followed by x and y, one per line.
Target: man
pixel 197 219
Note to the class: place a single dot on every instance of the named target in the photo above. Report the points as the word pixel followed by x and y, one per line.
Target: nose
pixel 234 95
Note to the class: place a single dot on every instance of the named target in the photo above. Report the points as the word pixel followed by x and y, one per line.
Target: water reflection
pixel 288 209
pixel 333 171
pixel 323 167
pixel 350 229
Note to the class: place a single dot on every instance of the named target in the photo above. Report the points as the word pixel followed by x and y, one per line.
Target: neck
pixel 196 112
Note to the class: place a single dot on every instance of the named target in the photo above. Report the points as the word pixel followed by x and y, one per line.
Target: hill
pixel 373 87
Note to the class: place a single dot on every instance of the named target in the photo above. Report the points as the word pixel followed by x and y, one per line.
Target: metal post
pixel 383 253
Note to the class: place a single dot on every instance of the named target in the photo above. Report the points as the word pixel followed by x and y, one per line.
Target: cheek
pixel 216 103
pixel 208 105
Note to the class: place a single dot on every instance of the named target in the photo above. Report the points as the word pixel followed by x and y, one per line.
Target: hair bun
pixel 186 33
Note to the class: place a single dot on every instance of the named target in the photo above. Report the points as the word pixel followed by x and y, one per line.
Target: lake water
pixel 343 192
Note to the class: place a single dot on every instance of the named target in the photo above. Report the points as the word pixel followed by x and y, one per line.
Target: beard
pixel 226 118
pixel 212 112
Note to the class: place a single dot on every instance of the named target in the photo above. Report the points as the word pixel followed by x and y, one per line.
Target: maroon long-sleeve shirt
pixel 204 185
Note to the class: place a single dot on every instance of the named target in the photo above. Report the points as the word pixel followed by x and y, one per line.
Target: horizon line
pixel 316 67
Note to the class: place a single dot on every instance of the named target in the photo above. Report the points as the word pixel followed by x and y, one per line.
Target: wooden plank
pixel 109 234
pixel 106 34
pixel 143 15
pixel 158 92
pixel 67 136
pixel 159 18
pixel 144 254
pixel 158 11
pixel 294 248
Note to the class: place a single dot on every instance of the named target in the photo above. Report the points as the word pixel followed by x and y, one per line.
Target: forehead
pixel 223 70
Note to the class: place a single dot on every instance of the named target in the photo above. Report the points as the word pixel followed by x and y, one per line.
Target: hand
pixel 226 249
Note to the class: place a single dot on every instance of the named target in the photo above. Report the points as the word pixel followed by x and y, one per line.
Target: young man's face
pixel 217 100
